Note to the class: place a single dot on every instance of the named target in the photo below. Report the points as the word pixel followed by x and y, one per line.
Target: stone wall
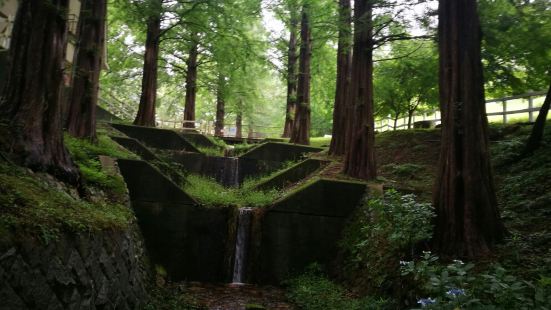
pixel 279 152
pixel 96 270
pixel 292 175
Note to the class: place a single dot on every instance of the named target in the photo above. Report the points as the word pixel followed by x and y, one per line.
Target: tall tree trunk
pixel 239 125
pixel 344 60
pixel 146 111
pixel 360 146
pixel 239 120
pixel 291 77
pixel 536 135
pixel 301 124
pixel 220 106
pixel 31 100
pixel 410 118
pixel 191 86
pixel 81 120
pixel 467 222
pixel 396 117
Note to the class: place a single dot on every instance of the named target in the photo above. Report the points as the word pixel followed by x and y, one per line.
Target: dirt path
pixel 234 297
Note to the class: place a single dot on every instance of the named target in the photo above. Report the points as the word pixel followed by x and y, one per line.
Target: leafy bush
pixel 385 231
pixel 456 286
pixel 313 291
pixel 211 193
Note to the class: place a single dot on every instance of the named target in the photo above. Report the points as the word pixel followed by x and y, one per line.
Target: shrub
pixel 385 231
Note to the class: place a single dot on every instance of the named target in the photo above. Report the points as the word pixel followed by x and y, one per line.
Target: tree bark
pixel 81 120
pixel 239 125
pixel 146 111
pixel 468 222
pixel 301 125
pixel 396 117
pixel 410 118
pixel 31 100
pixel 291 77
pixel 191 86
pixel 360 145
pixel 220 108
pixel 344 60
pixel 534 141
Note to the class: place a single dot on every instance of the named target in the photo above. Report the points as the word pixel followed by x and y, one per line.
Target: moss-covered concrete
pixel 136 147
pixel 291 175
pixel 279 152
pixel 198 139
pixel 187 240
pixel 303 228
pixel 145 183
pixel 156 137
pixel 213 166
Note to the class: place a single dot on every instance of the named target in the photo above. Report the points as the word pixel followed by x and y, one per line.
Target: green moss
pixel 29 203
pixel 85 154
pixel 211 151
pixel 210 193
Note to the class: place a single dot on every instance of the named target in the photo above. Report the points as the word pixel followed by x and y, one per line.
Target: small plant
pixel 312 291
pixel 456 286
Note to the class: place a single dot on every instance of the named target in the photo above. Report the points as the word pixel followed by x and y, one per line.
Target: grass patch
pixel 242 148
pixel 210 151
pixel 210 193
pixel 29 203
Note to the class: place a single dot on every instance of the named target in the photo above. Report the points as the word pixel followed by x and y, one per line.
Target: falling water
pixel 242 244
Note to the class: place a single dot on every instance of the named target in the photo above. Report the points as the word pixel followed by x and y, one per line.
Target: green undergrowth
pixel 210 193
pixel 210 151
pixel 85 154
pixel 320 141
pixel 37 204
pixel 315 291
pixel 242 148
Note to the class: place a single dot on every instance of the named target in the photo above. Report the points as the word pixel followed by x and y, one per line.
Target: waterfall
pixel 242 244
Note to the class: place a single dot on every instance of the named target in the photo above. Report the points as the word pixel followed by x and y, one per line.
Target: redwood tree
pixel 81 120
pixel 344 59
pixel 31 100
pixel 301 124
pixel 146 110
pixel 536 135
pixel 291 76
pixel 360 135
pixel 467 222
pixel 191 86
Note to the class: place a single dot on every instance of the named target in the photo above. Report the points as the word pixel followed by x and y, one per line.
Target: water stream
pixel 242 244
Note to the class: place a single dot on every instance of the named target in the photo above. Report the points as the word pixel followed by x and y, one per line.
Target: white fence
pixel 524 106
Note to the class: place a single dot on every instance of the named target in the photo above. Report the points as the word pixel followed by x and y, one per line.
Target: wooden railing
pixel 527 100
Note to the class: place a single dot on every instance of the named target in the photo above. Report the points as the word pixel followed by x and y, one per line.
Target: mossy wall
pixel 156 137
pixel 103 115
pixel 210 166
pixel 136 147
pixel 198 139
pixel 187 240
pixel 292 175
pixel 103 270
pixel 302 229
pixel 279 152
